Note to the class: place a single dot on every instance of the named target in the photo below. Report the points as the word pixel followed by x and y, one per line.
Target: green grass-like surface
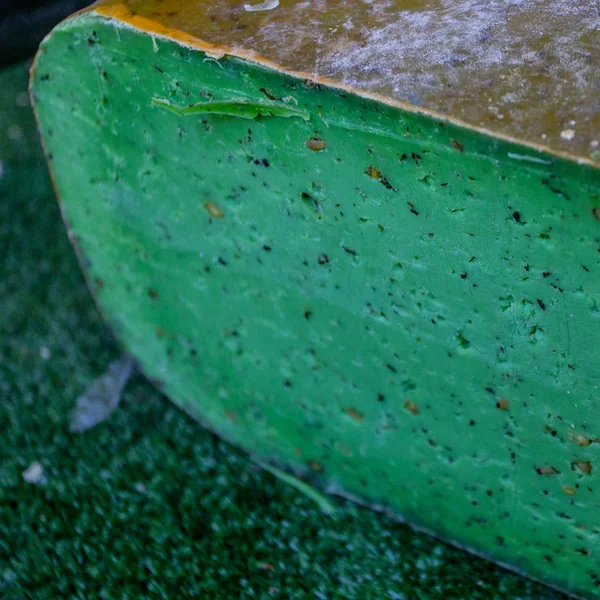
pixel 148 504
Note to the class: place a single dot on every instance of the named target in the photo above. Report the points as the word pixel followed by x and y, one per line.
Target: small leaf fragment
pixel 310 492
pixel 101 398
pixel 243 109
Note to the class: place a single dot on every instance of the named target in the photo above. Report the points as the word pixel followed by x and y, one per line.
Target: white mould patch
pixel 266 5
pixel 447 38
pixel 421 47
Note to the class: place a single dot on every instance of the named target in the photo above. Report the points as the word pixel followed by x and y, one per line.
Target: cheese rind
pixel 512 69
pixel 402 307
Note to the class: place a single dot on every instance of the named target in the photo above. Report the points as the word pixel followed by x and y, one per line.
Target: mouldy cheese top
pixel 520 69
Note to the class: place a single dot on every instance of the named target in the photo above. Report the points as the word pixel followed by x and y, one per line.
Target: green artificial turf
pixel 148 504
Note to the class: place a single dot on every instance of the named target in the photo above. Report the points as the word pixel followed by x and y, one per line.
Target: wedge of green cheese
pixel 357 260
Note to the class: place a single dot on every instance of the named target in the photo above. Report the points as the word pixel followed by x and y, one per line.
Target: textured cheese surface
pixel 404 309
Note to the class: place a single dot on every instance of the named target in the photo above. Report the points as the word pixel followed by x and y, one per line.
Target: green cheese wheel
pixel 403 308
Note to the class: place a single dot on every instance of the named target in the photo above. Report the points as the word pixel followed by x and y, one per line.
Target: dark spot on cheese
pixel 502 404
pixel 411 407
pixel 546 470
pixel 463 342
pixel 554 189
pixel 386 184
pixel 413 210
pixel 582 466
pixel 267 94
pixel 354 414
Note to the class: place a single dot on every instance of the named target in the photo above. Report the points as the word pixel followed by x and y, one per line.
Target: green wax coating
pixel 404 309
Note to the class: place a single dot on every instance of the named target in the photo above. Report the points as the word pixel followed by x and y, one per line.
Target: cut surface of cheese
pixel 381 296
